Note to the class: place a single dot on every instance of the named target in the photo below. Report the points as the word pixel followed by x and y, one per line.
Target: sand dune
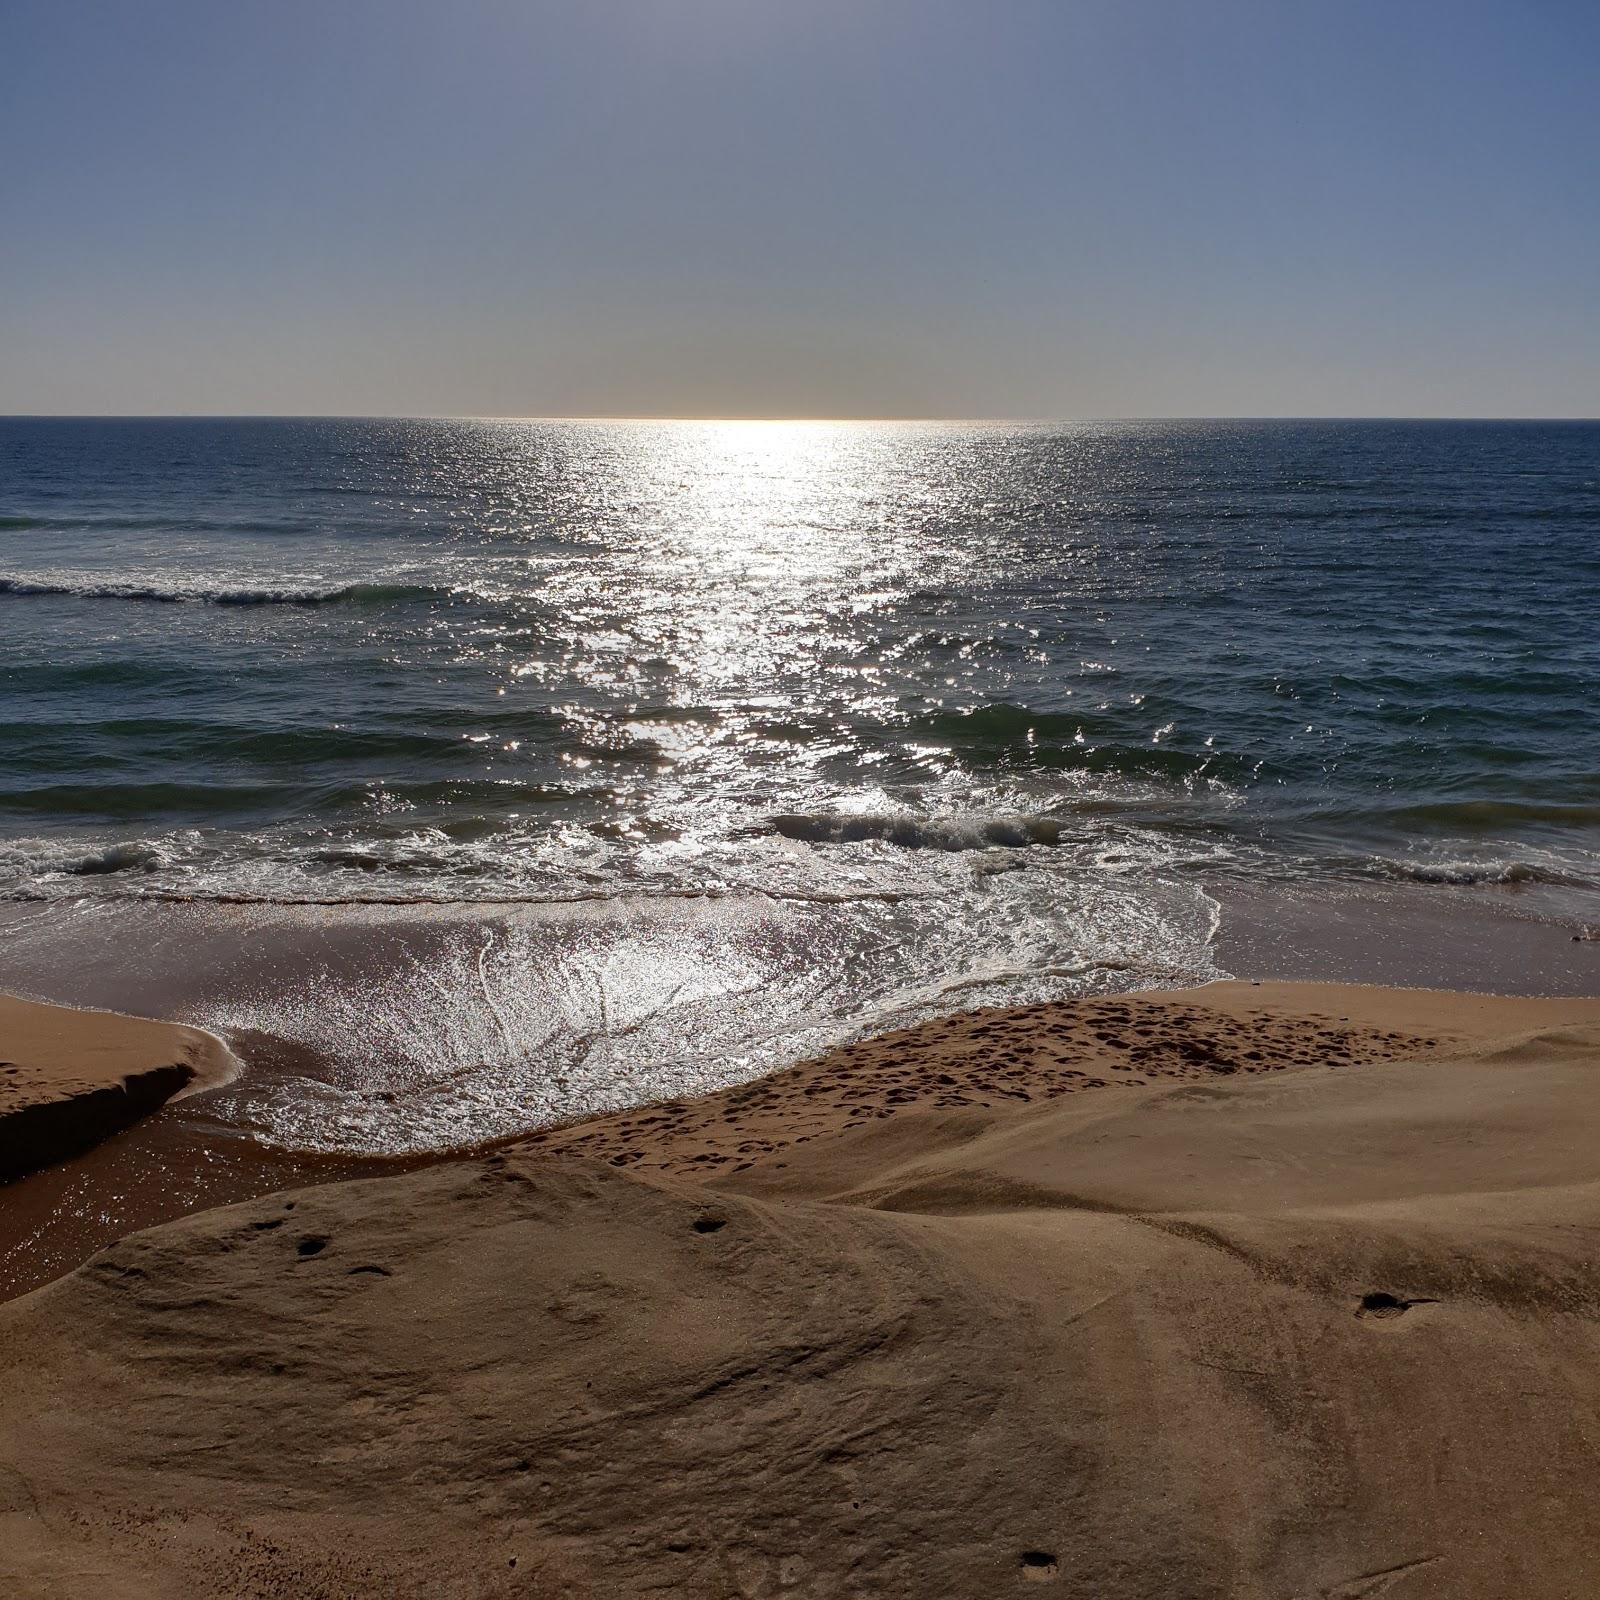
pixel 1322 1332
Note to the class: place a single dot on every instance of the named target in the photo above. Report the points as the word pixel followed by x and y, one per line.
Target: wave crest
pixel 1468 874
pixel 970 832
pixel 21 586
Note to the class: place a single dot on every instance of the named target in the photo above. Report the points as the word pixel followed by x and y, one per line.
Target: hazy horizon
pixel 776 421
pixel 703 209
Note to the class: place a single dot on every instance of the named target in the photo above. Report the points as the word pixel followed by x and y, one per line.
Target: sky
pixel 795 208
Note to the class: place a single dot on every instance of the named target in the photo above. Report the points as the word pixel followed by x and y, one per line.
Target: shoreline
pixel 193 1153
pixel 966 1068
pixel 969 1065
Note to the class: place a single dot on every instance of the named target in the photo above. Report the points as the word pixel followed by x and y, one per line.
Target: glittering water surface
pixel 645 756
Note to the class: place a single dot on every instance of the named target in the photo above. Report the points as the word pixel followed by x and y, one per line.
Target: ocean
pixel 509 770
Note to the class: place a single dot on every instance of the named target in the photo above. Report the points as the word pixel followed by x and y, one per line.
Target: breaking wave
pixel 970 832
pixel 180 593
pixel 1468 874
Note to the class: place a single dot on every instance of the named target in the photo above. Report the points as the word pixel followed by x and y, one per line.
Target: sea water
pixel 520 768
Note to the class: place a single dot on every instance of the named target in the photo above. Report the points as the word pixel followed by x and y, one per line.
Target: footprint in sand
pixel 1387 1306
pixel 1038 1566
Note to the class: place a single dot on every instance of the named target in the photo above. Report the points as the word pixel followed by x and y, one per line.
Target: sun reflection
pixel 696 618
pixel 753 559
pixel 758 551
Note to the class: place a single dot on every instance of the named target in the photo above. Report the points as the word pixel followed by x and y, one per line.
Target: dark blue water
pixel 931 710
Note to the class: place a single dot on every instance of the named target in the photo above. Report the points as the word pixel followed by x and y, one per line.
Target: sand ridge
pixel 995 1059
pixel 69 1078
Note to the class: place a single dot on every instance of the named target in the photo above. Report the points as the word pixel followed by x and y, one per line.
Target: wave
pixel 1487 814
pixel 446 897
pixel 133 857
pixel 1469 874
pixel 179 593
pixel 972 832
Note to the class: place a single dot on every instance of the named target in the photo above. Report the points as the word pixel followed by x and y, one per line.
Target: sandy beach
pixel 799 802
pixel 1251 1290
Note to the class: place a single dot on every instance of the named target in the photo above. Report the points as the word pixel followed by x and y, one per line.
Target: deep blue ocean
pixel 729 738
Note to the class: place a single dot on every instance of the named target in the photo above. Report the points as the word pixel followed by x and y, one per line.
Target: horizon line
pixel 926 417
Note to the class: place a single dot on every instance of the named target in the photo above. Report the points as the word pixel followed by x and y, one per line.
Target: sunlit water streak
pixel 647 756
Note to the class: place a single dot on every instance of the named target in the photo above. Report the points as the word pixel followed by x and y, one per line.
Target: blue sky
pixel 800 207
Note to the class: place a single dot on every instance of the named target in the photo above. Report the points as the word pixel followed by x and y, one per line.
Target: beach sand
pixel 70 1078
pixel 1296 1298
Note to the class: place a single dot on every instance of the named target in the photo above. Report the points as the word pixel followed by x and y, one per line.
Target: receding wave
pixel 968 832
pixel 21 586
pixel 444 895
